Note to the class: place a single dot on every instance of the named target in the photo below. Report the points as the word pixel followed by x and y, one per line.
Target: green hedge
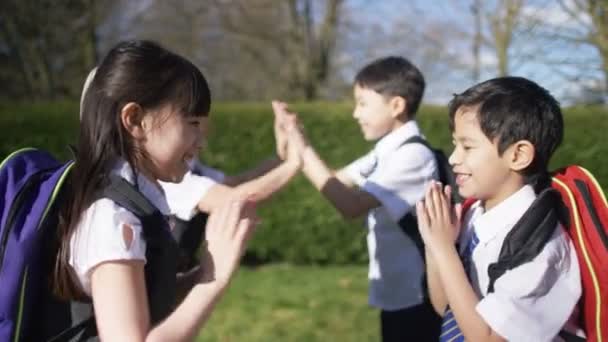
pixel 299 226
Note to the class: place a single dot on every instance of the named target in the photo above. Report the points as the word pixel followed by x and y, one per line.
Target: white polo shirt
pixel 397 175
pixel 99 234
pixel 531 302
pixel 183 197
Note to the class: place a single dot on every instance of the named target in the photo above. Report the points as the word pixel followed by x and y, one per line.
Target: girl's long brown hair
pixel 133 71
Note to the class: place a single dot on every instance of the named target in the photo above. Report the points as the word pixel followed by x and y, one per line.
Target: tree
pixel 298 47
pixel 592 16
pixel 47 46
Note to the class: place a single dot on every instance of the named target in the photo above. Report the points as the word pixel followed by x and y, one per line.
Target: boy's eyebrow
pixel 462 138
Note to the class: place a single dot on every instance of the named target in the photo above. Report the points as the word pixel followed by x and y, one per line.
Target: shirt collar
pixel 150 190
pixel 504 215
pixel 396 138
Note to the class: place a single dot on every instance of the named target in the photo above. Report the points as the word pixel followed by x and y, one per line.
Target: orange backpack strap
pixel 587 226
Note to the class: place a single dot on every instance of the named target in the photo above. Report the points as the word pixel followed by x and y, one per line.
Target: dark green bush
pixel 299 225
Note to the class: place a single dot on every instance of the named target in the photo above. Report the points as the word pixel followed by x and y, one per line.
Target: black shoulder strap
pixel 161 248
pixel 408 223
pixel 528 237
pixel 127 196
pixel 416 139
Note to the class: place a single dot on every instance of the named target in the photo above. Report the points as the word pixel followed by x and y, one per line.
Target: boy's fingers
pixel 279 108
pixel 423 219
pixel 436 199
pixel 458 212
pixel 446 205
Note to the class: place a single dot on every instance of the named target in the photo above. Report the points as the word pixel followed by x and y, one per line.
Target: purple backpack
pixel 30 183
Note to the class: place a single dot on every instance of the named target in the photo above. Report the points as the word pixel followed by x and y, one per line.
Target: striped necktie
pixel 450 332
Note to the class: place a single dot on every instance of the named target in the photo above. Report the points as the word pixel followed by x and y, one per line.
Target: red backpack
pixel 583 210
pixel 588 229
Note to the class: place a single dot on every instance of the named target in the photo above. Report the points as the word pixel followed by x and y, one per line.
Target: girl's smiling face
pixel 171 140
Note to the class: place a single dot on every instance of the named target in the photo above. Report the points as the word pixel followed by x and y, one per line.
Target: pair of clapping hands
pixel 289 135
pixel 439 221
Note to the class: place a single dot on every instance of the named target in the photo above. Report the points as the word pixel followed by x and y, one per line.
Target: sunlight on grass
pixel 295 303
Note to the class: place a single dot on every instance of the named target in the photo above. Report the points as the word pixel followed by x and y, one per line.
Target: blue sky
pixel 409 28
pixel 436 36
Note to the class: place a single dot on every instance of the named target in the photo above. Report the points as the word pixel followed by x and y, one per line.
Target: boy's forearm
pixel 433 280
pixel 264 186
pixel 461 297
pixel 261 169
pixel 349 202
pixel 315 168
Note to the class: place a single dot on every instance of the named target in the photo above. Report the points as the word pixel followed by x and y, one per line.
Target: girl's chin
pixel 175 177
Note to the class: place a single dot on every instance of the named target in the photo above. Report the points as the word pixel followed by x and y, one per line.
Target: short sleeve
pixel 203 170
pixel 106 232
pixel 532 302
pixel 183 197
pixel 401 180
pixel 361 168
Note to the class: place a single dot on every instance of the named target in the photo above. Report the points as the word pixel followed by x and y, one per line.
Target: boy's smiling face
pixel 376 114
pixel 481 173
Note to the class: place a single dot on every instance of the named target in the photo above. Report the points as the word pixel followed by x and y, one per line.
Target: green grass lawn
pixel 295 303
pixel 277 302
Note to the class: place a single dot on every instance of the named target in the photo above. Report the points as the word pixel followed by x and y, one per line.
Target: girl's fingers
pixel 246 227
pixel 249 208
pixel 234 215
pixel 212 224
pixel 223 213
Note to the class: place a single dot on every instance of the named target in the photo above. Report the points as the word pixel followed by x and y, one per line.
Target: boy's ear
pixel 521 155
pixel 132 119
pixel 398 105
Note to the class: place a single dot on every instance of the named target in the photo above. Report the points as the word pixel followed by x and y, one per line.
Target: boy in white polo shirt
pixel 384 185
pixel 505 131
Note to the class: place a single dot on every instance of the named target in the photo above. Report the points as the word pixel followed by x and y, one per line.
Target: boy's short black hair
pixel 510 109
pixel 394 76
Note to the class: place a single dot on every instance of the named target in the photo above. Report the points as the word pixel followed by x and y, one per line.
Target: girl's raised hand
pixel 438 220
pixel 228 230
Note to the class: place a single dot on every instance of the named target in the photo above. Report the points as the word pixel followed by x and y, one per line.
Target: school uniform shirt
pixel 183 197
pixel 99 235
pixel 397 175
pixel 533 301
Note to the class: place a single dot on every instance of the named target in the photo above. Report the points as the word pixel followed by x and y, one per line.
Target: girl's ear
pixel 398 105
pixel 132 119
pixel 521 155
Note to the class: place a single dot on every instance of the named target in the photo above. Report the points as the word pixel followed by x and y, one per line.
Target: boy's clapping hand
pixel 438 220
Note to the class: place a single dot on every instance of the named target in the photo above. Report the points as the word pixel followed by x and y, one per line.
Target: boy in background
pixel 384 184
